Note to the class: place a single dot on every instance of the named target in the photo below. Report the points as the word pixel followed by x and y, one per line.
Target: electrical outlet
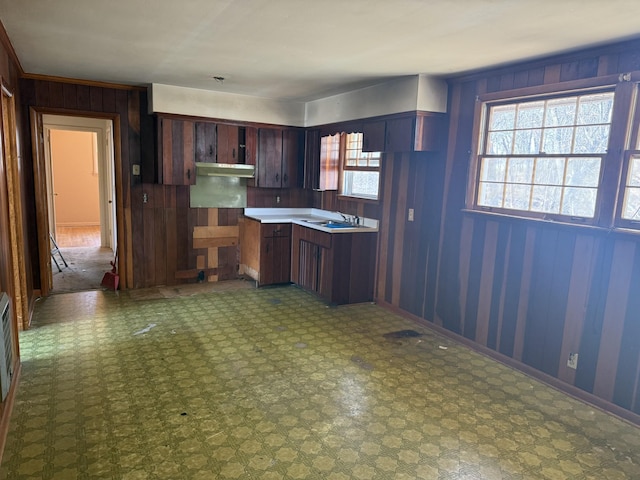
pixel 573 361
pixel 136 169
pixel 411 215
pixel 277 198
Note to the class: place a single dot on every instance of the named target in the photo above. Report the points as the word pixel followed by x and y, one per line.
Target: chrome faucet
pixel 344 217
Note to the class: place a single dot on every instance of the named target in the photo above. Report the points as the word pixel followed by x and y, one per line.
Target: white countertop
pixel 304 217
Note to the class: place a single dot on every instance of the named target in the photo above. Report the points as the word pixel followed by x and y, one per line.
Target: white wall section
pixel 416 92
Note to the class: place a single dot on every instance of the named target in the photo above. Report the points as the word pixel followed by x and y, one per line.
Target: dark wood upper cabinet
pixel 205 142
pixel 312 159
pixel 419 131
pixel 269 158
pixel 400 134
pixel 291 157
pixel 373 136
pixel 176 152
pixel 228 146
pixel 279 157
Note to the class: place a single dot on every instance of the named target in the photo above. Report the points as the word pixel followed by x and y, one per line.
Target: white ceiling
pixel 298 49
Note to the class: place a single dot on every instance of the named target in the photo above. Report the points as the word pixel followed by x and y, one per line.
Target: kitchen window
pixel 544 157
pixel 346 168
pixel 360 170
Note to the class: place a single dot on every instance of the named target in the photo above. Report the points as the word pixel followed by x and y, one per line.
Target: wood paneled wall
pixel 530 291
pixel 158 233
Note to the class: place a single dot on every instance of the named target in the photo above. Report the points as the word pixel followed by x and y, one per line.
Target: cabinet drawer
pixel 269 230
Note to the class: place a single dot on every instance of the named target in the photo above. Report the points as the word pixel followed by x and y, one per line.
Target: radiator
pixel 6 346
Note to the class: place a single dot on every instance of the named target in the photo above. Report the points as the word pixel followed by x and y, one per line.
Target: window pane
pixel 530 114
pixel 520 170
pixel 361 184
pixel 591 139
pixel 579 202
pixel 633 179
pixel 595 108
pixel 527 142
pixel 546 199
pixel 500 143
pixel 502 117
pixel 583 172
pixel 557 140
pixel 549 171
pixel 493 169
pixel 490 194
pixel 631 209
pixel 560 111
pixel 517 196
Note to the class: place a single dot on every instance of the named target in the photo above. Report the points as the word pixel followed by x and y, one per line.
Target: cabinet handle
pixel 267 248
pixel 210 149
pixel 277 177
pixel 285 178
pixel 233 153
pixel 189 173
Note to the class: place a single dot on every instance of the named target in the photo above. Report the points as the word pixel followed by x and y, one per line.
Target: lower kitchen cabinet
pixel 265 251
pixel 339 267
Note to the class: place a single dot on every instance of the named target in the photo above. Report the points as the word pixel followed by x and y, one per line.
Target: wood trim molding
pixel 6 43
pixel 8 407
pixel 76 81
pixel 553 382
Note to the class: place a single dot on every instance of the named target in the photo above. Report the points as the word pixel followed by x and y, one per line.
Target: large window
pixel 360 170
pixel 545 156
pixel 346 168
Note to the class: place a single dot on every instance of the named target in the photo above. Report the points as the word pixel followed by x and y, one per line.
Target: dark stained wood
pixel 227 143
pixel 205 142
pixel 373 136
pixel 269 163
pixel 400 134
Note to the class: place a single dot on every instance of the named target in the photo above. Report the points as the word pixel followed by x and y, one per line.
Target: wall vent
pixel 6 346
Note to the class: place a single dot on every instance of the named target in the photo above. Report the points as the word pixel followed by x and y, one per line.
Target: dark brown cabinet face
pixel 228 145
pixel 279 156
pixel 205 142
pixel 373 136
pixel 176 152
pixel 399 135
pixel 275 253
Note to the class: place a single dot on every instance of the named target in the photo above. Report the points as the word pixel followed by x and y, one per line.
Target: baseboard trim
pixel 8 408
pixel 545 378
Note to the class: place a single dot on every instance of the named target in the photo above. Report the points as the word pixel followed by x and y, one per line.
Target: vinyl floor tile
pixel 274 384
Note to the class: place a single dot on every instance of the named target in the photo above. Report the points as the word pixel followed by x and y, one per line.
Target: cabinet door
pixel 291 158
pixel 312 159
pixel 269 158
pixel 281 259
pixel 227 148
pixel 309 266
pixel 177 152
pixel 205 142
pixel 400 135
pixel 373 136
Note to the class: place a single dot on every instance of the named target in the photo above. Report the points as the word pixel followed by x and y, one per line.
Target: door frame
pixel 40 187
pixel 103 129
pixel 14 197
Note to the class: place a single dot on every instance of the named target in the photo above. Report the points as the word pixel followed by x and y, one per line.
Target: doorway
pixel 81 211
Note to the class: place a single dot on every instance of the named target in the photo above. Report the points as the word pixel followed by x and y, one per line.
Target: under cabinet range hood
pixel 239 170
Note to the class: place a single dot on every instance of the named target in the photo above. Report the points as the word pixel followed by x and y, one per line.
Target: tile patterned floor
pixel 273 384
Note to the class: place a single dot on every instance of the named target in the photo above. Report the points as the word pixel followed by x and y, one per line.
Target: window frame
pixel 631 149
pixel 344 168
pixel 610 188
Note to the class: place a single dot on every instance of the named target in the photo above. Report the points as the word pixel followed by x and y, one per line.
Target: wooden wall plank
pixel 594 316
pixel 523 303
pixel 614 313
pixel 487 282
pixel 501 252
pixel 626 392
pixel 400 214
pixel 216 231
pixel 581 273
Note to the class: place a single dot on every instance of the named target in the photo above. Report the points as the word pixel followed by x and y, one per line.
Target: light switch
pixel 410 215
pixel 136 169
